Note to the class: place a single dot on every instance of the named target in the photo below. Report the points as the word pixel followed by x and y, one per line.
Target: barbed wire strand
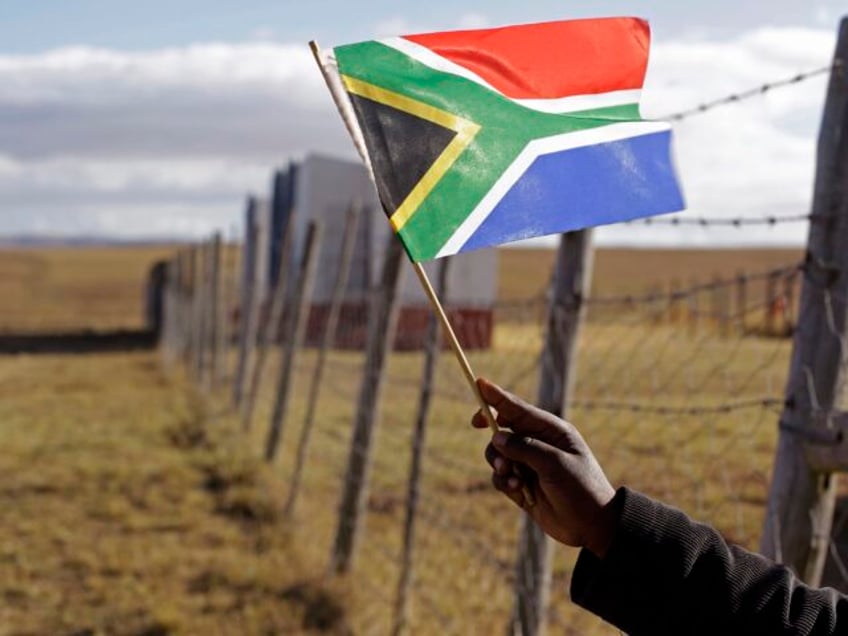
pixel 762 89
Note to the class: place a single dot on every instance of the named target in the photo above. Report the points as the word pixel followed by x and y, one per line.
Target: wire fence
pixel 681 387
pixel 679 392
pixel 756 91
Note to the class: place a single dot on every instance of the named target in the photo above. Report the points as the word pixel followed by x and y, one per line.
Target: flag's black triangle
pixel 402 147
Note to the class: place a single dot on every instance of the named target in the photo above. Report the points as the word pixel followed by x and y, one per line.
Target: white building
pixel 324 189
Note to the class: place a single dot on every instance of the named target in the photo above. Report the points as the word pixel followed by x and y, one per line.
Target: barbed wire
pixel 683 294
pixel 643 365
pixel 636 407
pixel 717 221
pixel 762 89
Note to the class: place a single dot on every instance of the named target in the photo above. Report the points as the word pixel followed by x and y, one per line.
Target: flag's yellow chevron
pixel 465 131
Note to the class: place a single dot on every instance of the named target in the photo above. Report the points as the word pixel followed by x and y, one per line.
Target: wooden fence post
pixel 419 434
pixel 721 306
pixel 213 307
pixel 558 372
pixel 789 281
pixel 168 342
pixel 382 324
pixel 656 304
pixel 328 337
pixel 200 313
pixel 187 305
pixel 231 293
pixel 673 306
pixel 273 324
pixel 180 329
pixel 715 304
pixel 741 302
pixel 252 262
pixel 190 270
pixel 801 500
pixel 694 310
pixel 301 304
pixel 771 303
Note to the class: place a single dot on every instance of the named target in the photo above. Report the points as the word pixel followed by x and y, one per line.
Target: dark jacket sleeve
pixel 665 574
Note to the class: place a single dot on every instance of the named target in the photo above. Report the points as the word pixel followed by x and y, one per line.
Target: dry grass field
pixel 71 288
pixel 136 508
pixel 68 288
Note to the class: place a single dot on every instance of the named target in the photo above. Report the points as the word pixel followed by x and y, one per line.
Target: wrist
pixel 604 526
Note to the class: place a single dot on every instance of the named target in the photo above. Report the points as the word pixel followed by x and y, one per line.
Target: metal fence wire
pixel 679 392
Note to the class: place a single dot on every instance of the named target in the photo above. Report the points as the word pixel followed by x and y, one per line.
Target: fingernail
pixel 512 482
pixel 499 438
pixel 499 464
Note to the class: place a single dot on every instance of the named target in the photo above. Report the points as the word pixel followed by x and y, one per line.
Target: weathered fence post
pixel 721 306
pixel 328 337
pixel 715 304
pixel 801 500
pixel 694 311
pixel 200 318
pixel 301 305
pixel 190 282
pixel 673 306
pixel 213 307
pixel 789 281
pixel 180 305
pixel 419 434
pixel 168 342
pixel 252 262
pixel 382 324
pixel 187 304
pixel 273 323
pixel 232 298
pixel 656 304
pixel 741 302
pixel 570 288
pixel 771 303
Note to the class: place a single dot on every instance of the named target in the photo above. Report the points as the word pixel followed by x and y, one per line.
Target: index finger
pixel 524 418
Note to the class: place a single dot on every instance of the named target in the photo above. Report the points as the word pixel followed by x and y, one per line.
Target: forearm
pixel 664 574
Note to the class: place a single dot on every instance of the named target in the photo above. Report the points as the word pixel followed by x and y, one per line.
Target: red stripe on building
pixel 551 59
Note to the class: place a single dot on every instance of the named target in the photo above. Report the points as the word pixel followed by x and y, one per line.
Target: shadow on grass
pixel 320 610
pixel 74 342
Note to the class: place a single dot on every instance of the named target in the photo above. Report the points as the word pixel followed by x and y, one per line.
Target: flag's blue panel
pixel 583 187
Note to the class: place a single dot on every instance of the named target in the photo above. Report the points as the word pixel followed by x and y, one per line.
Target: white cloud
pixel 393 26
pixel 753 158
pixel 91 76
pixel 170 141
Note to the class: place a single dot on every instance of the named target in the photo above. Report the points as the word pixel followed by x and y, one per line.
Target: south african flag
pixel 480 137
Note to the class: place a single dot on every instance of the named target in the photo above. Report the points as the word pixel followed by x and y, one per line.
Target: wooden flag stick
pixel 467 371
pixel 436 304
pixel 338 93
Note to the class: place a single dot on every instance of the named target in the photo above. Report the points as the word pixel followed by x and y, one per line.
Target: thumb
pixel 531 452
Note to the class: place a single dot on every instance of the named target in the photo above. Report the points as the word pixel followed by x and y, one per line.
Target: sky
pixel 156 119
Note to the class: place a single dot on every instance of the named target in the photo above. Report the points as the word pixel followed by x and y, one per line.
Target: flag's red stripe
pixel 552 59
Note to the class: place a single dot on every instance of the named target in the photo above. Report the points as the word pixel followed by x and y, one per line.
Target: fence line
pixel 720 221
pixel 680 389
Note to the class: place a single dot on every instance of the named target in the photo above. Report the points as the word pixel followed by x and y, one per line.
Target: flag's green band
pixel 450 193
pixel 465 132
